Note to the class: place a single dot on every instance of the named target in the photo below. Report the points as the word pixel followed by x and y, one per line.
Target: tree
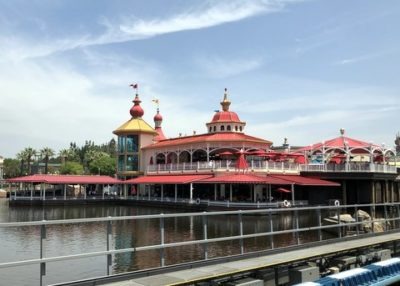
pixel 26 156
pixel 71 168
pixel 103 165
pixel 11 168
pixel 64 154
pixel 46 154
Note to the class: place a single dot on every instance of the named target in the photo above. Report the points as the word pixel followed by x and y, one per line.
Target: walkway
pixel 184 277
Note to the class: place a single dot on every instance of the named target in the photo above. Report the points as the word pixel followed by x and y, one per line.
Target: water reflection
pixel 23 242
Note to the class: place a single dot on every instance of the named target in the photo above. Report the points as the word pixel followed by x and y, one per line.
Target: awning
pixel 167 179
pixel 306 181
pixel 66 179
pixel 244 179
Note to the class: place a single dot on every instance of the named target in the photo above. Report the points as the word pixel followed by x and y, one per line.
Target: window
pixel 132 143
pixel 236 128
pixel 121 144
pixel 132 163
pixel 210 129
pixel 240 128
pixel 222 128
pixel 215 128
pixel 228 128
pixel 121 163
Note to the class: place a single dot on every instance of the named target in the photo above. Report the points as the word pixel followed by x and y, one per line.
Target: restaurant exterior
pixel 225 163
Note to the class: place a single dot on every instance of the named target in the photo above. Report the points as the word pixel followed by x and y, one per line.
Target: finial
pixel 135 87
pixel 136 111
pixel 342 131
pixel 225 102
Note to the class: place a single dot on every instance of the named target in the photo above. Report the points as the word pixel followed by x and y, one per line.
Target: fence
pixel 319 219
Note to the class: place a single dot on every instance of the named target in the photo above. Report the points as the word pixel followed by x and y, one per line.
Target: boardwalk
pixel 193 275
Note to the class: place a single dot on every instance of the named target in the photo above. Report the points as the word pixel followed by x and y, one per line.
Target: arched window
pixel 240 128
pixel 222 128
pixel 236 128
pixel 215 128
pixel 228 128
pixel 210 129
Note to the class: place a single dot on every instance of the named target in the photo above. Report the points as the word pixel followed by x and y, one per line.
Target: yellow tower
pixel 132 136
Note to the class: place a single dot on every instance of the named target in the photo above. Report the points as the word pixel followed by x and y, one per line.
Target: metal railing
pixel 229 165
pixel 389 220
pixel 349 167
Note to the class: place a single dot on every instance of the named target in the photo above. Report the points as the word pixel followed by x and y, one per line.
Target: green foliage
pixel 11 168
pixel 46 154
pixel 103 164
pixel 71 168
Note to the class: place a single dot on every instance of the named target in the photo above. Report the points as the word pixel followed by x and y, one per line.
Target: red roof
pixel 305 181
pixel 245 179
pixel 160 135
pixel 167 179
pixel 339 143
pixel 65 179
pixel 209 137
pixel 225 116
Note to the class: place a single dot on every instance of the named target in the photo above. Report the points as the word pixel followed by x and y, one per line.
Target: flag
pixel 156 101
pixel 134 85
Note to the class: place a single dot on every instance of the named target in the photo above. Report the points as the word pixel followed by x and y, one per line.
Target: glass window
pixel 222 128
pixel 121 163
pixel 121 144
pixel 132 143
pixel 132 162
pixel 228 128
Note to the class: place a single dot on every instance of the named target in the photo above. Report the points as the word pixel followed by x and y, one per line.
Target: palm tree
pixel 21 158
pixel 64 154
pixel 26 156
pixel 46 153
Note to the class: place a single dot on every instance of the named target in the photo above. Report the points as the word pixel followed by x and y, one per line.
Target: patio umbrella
pixel 241 162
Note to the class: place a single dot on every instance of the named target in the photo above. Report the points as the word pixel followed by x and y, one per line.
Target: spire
pixel 225 102
pixel 157 123
pixel 136 111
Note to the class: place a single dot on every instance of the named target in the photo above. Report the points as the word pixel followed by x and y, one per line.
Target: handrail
pixel 294 211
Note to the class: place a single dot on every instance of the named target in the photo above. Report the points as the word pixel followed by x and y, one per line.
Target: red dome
pixel 136 110
pixel 225 116
pixel 158 117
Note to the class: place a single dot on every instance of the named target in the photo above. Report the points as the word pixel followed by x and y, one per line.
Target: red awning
pixel 283 190
pixel 306 181
pixel 66 179
pixel 167 179
pixel 243 179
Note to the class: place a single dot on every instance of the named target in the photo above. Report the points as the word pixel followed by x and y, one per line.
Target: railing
pixel 293 225
pixel 351 167
pixel 229 165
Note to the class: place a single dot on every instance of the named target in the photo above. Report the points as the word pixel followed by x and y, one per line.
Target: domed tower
pixel 157 124
pixel 225 120
pixel 132 136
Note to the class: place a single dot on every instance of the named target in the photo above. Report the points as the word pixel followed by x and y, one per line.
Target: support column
pixel 102 191
pixel 215 192
pixel 84 196
pixel 344 194
pixel 65 191
pixel 293 198
pixel 162 192
pixel 191 193
pixel 254 192
pixel 230 192
pixel 149 193
pixel 387 199
pixel 176 193
pixel 44 191
pixel 392 191
pixel 373 195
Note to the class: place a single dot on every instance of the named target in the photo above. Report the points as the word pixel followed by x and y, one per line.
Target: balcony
pixel 268 167
pixel 349 168
pixel 224 166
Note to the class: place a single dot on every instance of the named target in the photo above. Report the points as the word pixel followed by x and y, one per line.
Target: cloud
pixel 129 29
pixel 362 58
pixel 218 67
pixel 221 13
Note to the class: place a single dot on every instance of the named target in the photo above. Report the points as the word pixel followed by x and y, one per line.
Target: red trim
pixel 65 179
pixel 167 179
pixel 306 181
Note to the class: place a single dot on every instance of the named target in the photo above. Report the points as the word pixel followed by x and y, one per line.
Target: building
pixel 224 163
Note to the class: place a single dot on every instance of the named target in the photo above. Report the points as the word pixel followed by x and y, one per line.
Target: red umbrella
pixel 241 162
pixel 226 153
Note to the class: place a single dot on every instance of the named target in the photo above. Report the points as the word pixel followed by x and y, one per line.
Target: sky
pixel 295 69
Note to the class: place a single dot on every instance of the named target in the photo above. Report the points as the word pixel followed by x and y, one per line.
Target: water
pixel 23 242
